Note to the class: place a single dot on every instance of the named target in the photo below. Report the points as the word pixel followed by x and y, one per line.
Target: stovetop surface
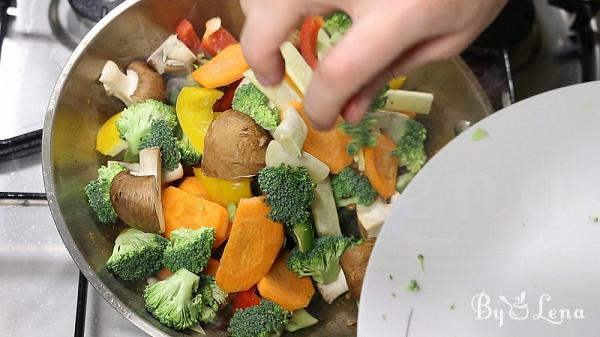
pixel 38 277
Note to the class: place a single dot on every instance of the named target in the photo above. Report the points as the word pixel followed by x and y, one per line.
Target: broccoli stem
pixel 305 236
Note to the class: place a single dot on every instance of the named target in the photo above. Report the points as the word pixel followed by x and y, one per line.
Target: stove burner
pixel 94 9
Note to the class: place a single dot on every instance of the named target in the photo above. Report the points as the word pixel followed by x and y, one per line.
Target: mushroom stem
pixel 118 84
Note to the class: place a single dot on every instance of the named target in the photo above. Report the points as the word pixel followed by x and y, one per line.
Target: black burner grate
pixel 94 9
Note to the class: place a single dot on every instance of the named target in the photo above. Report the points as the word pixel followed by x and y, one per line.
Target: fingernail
pixel 268 80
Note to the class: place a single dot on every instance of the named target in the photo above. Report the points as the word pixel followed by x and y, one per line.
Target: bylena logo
pixel 518 309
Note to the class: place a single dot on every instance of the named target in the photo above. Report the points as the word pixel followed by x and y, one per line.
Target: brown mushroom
pixel 151 84
pixel 234 147
pixel 137 199
pixel 354 263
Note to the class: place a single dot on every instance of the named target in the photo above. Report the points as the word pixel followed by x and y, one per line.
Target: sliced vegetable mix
pixel 236 207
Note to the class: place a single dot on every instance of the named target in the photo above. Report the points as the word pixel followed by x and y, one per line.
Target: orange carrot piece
pixel 163 274
pixel 410 114
pixel 330 147
pixel 225 68
pixel 183 210
pixel 381 167
pixel 194 187
pixel 211 268
pixel 283 287
pixel 253 245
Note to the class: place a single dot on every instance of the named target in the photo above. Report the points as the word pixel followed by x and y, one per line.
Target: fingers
pixel 364 53
pixel 266 28
pixel 358 105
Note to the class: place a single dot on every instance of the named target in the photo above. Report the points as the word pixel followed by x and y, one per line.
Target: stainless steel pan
pixel 79 106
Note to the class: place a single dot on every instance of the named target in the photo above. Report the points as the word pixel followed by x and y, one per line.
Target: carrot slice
pixel 194 187
pixel 381 167
pixel 283 287
pixel 184 210
pixel 211 267
pixel 330 147
pixel 225 68
pixel 253 245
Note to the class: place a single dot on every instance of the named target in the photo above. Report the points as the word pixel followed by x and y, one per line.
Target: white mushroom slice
pixel 212 26
pixel 118 84
pixel 172 56
pixel 371 218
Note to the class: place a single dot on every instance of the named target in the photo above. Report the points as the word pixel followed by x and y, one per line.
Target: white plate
pixel 513 218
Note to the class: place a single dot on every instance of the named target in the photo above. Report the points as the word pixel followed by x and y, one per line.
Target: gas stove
pixel 548 47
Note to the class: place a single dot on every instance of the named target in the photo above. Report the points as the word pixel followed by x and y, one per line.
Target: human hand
pixel 388 38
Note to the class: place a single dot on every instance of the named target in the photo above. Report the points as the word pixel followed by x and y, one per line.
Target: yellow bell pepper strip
pixel 108 141
pixel 195 113
pixel 224 192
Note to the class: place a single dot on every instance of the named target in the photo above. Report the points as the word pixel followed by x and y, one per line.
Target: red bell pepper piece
pixel 308 39
pixel 217 41
pixel 246 299
pixel 225 102
pixel 187 34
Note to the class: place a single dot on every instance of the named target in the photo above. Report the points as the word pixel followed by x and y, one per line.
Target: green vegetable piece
pixel 410 149
pixel 301 319
pixel 421 259
pixel 250 100
pixel 364 134
pixel 267 319
pixel 322 263
pixel 479 134
pixel 172 301
pixel 190 249
pixel 380 99
pixel 403 181
pixel 135 122
pixel 98 193
pixel 231 210
pixel 136 255
pixel 212 297
pixel 337 25
pixel 349 187
pixel 189 155
pixel 289 193
pixel 413 286
pixel 161 136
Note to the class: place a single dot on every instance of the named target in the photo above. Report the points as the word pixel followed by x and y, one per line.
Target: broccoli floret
pixel 264 320
pixel 172 301
pixel 380 99
pixel 322 262
pixel 161 136
pixel 337 25
pixel 189 155
pixel 349 187
pixel 98 193
pixel 364 134
pixel 410 149
pixel 136 254
pixel 289 193
pixel 212 297
pixel 251 101
pixel 190 249
pixel 135 122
